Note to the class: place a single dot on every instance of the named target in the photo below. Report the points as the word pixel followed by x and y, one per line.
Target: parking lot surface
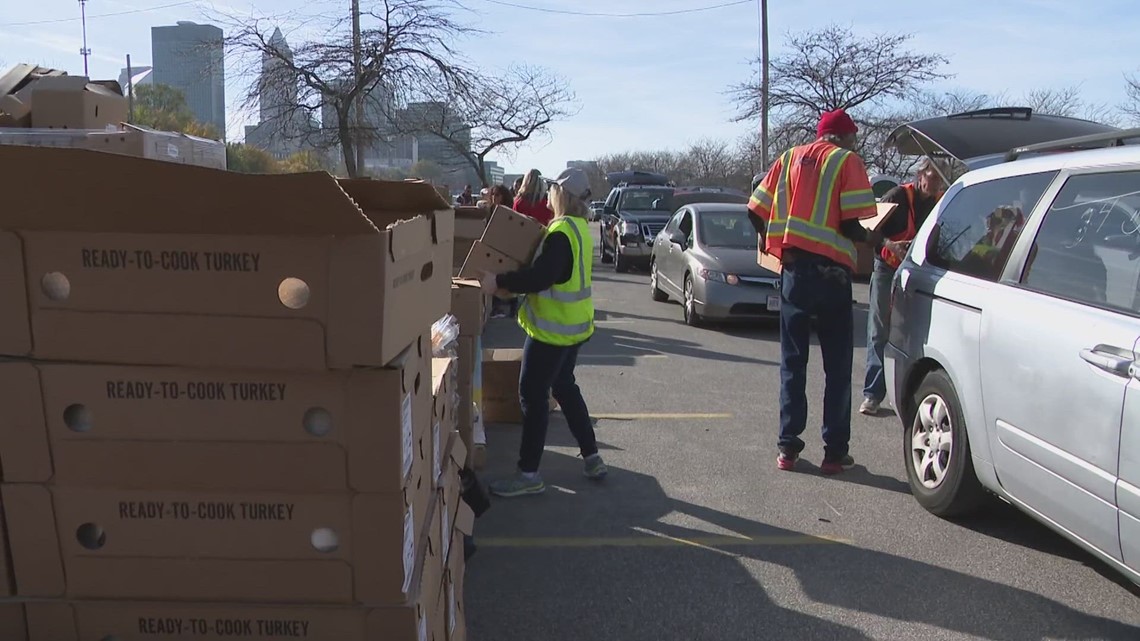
pixel 696 535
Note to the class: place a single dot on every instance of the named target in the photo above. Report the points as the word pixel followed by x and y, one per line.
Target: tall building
pixel 190 57
pixel 432 148
pixel 283 129
pixel 495 173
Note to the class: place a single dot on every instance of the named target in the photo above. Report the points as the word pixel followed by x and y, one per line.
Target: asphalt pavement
pixel 696 535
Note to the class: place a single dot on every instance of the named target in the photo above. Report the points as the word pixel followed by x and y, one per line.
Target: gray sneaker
pixel 595 469
pixel 870 406
pixel 518 485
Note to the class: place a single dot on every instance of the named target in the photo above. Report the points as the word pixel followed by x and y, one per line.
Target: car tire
pixel 621 264
pixel 692 318
pixel 658 295
pixel 937 451
pixel 607 257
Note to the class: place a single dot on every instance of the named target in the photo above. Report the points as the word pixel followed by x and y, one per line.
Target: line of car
pixel 696 243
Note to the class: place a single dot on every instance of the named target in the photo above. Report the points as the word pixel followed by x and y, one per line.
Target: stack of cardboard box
pixel 221 404
pixel 43 107
pixel 502 241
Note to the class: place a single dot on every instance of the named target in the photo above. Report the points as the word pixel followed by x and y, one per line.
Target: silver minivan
pixel 1014 353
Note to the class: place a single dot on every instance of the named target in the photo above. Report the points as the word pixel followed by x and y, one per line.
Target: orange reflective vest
pixel 907 234
pixel 805 196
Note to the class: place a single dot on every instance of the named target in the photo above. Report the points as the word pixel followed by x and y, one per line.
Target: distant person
pixel 809 205
pixel 466 199
pixel 557 315
pixel 915 200
pixel 516 188
pixel 531 199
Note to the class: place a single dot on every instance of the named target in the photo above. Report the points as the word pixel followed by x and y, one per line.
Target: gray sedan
pixel 706 259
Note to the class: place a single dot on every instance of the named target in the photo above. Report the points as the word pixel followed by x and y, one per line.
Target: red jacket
pixel 538 211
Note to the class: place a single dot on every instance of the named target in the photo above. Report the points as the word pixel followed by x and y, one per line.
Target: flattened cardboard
pixel 217 269
pixel 143 427
pixel 470 306
pixel 483 258
pixel 513 234
pixel 252 547
pixel 169 146
pixel 875 223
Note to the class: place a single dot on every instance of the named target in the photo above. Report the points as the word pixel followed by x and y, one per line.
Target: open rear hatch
pixel 976 139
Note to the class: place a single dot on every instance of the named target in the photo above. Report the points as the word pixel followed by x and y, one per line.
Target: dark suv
pixel 637 209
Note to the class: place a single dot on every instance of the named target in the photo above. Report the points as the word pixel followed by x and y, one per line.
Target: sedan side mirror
pixel 677 237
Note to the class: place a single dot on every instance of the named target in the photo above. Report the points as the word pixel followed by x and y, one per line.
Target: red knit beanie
pixel 836 122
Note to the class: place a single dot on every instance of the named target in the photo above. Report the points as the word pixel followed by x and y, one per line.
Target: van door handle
pixel 1111 363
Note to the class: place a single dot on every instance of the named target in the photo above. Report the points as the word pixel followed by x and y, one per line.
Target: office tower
pixel 190 57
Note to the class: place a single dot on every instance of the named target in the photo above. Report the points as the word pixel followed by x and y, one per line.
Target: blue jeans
pixel 547 368
pixel 878 329
pixel 813 286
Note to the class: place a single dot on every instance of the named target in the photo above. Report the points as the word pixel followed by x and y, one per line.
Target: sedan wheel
pixel 691 317
pixel 658 295
pixel 938 463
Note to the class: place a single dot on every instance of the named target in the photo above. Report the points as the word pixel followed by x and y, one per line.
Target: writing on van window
pixel 1105 216
pixel 170 261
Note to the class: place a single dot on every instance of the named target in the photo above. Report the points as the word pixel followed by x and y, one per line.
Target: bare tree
pixel 1131 106
pixel 834 68
pixel 405 44
pixel 494 114
pixel 1068 101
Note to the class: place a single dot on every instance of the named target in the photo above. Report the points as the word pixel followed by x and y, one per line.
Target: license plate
pixel 773 303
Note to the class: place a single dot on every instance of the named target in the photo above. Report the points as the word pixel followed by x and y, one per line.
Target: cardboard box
pixel 501 370
pixel 485 259
pixel 216 269
pixel 445 405
pixel 769 262
pixel 513 235
pixel 170 146
pixel 148 620
pixel 875 223
pixel 470 222
pixel 74 102
pixel 145 427
pixel 470 306
pixel 14 112
pixel 329 548
pixel 451 489
pixel 469 364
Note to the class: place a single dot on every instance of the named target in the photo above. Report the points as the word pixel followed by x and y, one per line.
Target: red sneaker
pixel 831 468
pixel 786 462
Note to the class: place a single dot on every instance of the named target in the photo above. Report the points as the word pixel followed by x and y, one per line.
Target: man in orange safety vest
pixel 808 207
pixel 914 200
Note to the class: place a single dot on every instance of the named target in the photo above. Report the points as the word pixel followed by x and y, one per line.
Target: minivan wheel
pixel 621 264
pixel 658 295
pixel 938 463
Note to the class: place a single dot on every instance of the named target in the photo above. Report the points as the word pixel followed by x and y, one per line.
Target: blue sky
pixel 653 82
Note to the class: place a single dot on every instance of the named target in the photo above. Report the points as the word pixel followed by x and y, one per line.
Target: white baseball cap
pixel 574 180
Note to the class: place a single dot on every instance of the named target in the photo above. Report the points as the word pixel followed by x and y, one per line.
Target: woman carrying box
pixel 557 314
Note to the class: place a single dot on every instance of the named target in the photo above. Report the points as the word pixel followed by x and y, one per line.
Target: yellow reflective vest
pixel 564 314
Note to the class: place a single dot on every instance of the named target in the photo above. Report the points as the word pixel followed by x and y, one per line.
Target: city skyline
pixel 628 89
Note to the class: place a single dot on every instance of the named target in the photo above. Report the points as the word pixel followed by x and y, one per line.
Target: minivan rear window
pixel 976 231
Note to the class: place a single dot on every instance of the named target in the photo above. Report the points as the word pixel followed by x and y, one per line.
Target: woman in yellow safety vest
pixel 557 314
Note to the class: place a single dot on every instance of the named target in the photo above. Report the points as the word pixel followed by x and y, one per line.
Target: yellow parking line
pixel 625 356
pixel 649 415
pixel 661 541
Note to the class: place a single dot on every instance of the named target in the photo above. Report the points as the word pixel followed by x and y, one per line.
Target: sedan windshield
pixel 727 229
